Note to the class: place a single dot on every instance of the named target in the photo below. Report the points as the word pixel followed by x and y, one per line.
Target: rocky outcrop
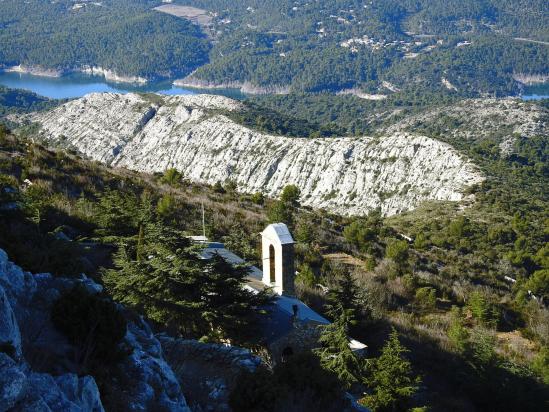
pixel 531 79
pixel 475 119
pixel 208 370
pixel 112 76
pixel 349 176
pixel 244 87
pixel 34 70
pixel 37 370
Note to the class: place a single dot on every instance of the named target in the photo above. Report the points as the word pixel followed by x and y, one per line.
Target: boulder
pixel 12 383
pixel 82 391
pixel 40 375
pixel 10 336
pixel 208 371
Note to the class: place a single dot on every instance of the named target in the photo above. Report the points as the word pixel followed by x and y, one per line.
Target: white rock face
pixel 350 176
pixel 478 118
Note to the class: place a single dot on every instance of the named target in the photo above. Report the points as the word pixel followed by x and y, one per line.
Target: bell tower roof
pixel 278 232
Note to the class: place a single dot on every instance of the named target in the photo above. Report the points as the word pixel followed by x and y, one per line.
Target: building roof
pixel 278 232
pixel 213 248
pixel 279 320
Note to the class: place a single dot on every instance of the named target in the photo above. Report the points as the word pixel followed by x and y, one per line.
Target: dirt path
pixel 531 41
pixel 197 16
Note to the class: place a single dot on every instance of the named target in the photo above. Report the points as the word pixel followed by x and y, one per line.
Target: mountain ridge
pixel 344 175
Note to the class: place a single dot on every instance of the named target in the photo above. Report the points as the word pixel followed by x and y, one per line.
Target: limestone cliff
pixel 191 133
pixel 499 119
pixel 37 363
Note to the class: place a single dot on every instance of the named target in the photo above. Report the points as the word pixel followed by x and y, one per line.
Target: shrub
pixel 300 383
pixel 258 198
pixel 457 333
pixel 166 206
pixel 541 364
pixel 290 195
pixel 171 177
pixel 426 297
pixel 230 186
pixel 306 276
pixel 92 323
pixel 218 188
pixel 397 251
pixel 484 311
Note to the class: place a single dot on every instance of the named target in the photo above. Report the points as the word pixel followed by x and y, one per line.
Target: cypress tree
pixel 391 379
pixel 335 354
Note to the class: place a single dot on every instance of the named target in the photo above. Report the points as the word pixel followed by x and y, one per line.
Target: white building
pixel 291 325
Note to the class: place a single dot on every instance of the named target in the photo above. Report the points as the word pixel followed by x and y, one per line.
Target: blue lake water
pixel 537 92
pixel 77 85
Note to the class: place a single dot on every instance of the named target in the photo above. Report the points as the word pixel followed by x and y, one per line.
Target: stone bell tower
pixel 278 259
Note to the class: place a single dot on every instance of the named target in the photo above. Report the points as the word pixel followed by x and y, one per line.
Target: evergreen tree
pixel 191 296
pixel 398 252
pixel 280 212
pixel 284 209
pixel 230 309
pixel 391 379
pixel 335 354
pixel 165 285
pixel 484 311
pixel 457 333
pixel 140 243
pixel 290 195
pixel 345 296
pixel 171 177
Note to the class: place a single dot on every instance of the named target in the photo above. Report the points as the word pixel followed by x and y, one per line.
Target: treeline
pixel 298 45
pixel 273 122
pixel 124 36
pixel 22 101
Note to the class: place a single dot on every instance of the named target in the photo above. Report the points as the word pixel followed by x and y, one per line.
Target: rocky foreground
pixel 38 370
pixel 350 176
pixel 36 360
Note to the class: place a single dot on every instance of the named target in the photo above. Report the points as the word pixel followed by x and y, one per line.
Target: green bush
pixel 92 323
pixel 541 364
pixel 171 177
pixel 483 310
pixel 290 195
pixel 426 297
pixel 300 383
pixel 258 198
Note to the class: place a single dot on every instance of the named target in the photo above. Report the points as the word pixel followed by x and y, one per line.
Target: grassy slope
pixel 456 258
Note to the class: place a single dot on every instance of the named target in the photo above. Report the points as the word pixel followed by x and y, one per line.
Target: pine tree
pixel 191 296
pixel 335 354
pixel 457 332
pixel 230 309
pixel 344 294
pixel 391 379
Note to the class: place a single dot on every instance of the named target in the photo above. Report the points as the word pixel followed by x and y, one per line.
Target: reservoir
pixel 537 92
pixel 77 85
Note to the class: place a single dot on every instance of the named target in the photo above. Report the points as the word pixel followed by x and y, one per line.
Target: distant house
pixel 291 326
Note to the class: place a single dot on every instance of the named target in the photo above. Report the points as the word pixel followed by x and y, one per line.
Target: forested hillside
pixel 464 284
pixel 467 48
pixel 127 37
pixel 461 48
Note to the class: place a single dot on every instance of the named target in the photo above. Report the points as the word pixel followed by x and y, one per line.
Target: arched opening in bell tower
pixel 272 276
